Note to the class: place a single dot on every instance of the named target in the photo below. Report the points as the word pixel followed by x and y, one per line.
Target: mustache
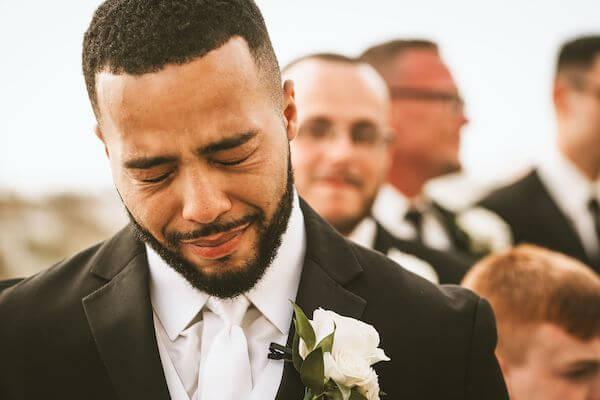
pixel 174 237
pixel 345 176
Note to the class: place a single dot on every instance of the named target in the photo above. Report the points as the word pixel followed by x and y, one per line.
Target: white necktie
pixel 226 374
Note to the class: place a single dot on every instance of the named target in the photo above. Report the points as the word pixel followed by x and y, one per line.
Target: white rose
pixel 370 387
pixel 351 335
pixel 355 349
pixel 346 368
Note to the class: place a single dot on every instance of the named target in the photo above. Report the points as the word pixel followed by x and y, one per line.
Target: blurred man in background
pixel 341 156
pixel 556 205
pixel 426 116
pixel 547 307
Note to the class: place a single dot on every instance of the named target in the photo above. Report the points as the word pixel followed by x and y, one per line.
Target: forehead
pixel 419 67
pixel 552 345
pixel 213 89
pixel 339 90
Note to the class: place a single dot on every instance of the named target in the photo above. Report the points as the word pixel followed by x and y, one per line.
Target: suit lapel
pixel 558 227
pixel 119 315
pixel 329 264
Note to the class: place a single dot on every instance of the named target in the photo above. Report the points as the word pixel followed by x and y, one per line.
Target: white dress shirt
pixel 390 209
pixel 364 234
pixel 571 190
pixel 177 306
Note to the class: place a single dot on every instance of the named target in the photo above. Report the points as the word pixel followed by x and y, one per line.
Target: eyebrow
pixel 226 144
pixel 148 162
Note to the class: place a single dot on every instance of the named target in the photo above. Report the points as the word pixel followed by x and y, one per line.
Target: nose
pixel 342 148
pixel 203 197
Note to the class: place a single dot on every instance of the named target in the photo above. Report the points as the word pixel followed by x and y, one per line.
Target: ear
pixel 100 136
pixel 290 112
pixel 559 95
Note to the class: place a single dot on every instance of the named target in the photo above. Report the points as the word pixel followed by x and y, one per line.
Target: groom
pixel 196 122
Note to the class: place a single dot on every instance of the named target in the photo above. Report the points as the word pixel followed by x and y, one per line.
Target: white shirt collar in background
pixel 364 233
pixel 571 190
pixel 391 206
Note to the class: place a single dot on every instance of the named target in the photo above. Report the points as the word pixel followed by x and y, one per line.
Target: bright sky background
pixel 502 54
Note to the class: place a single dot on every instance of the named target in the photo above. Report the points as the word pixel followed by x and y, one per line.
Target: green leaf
pixel 354 395
pixel 296 359
pixel 304 328
pixel 345 391
pixel 326 344
pixel 312 372
pixel 333 395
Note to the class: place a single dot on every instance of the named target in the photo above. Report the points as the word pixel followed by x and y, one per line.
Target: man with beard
pixel 341 157
pixel 196 123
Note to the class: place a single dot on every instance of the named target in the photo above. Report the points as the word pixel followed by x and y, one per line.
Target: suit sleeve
pixel 484 377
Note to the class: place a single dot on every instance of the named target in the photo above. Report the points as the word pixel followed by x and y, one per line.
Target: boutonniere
pixel 486 230
pixel 334 356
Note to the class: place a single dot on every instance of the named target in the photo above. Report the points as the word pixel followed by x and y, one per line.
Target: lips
pixel 340 180
pixel 218 245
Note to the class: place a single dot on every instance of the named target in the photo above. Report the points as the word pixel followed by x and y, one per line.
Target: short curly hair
pixel 141 36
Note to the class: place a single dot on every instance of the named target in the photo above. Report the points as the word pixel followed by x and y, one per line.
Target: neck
pixel 409 179
pixel 588 162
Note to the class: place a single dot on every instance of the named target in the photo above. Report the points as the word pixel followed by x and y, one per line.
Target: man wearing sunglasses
pixel 556 204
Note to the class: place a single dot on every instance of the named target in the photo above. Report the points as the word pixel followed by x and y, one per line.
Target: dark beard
pixel 230 283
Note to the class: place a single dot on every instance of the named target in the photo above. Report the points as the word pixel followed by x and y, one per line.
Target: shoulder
pixel 384 282
pixel 505 196
pixel 439 333
pixel 449 267
pixel 52 288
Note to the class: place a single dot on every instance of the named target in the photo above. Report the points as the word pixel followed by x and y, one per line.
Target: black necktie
pixel 415 218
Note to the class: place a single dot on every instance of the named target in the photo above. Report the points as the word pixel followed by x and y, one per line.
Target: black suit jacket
pixel 450 267
pixel 83 329
pixel 534 217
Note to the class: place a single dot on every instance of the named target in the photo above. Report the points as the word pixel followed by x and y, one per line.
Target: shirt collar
pixel 364 233
pixel 272 294
pixel 176 302
pixel 559 174
pixel 390 203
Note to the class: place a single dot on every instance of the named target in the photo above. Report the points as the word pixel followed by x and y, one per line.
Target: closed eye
pixel 157 179
pixel 233 162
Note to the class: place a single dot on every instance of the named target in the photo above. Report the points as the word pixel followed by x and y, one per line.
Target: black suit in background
pixel 450 267
pixel 534 217
pixel 84 330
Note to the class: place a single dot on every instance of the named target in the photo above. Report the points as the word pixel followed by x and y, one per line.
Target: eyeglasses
pixel 363 134
pixel 456 102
